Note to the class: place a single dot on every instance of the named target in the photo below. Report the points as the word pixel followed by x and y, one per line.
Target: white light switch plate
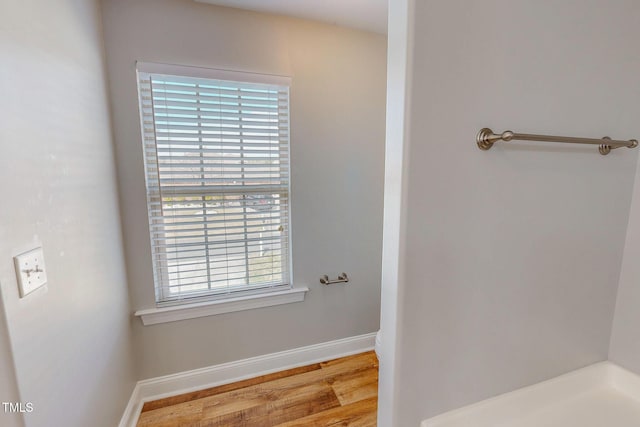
pixel 30 271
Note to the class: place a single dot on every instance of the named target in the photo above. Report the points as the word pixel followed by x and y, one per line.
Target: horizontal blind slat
pixel 276 188
pixel 215 114
pixel 226 123
pixel 221 86
pixel 209 95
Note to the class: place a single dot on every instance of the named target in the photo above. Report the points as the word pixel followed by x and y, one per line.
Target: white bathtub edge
pixel 505 406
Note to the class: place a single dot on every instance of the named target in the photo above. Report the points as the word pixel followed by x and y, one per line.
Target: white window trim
pixel 212 73
pixel 157 315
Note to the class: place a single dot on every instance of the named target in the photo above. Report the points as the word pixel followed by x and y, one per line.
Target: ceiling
pixel 370 15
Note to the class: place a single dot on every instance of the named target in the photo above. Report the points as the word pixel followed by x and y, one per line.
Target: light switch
pixel 30 271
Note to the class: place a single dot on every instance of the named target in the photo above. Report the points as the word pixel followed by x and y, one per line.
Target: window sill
pixel 154 316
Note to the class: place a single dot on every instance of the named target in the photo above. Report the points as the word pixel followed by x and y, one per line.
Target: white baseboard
pixel 378 345
pixel 132 411
pixel 198 379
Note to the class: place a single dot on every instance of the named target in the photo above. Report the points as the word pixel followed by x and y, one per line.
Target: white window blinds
pixel 217 172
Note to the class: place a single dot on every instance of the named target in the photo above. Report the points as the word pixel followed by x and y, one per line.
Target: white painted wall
pixel 512 256
pixel 337 150
pixel 71 342
pixel 399 47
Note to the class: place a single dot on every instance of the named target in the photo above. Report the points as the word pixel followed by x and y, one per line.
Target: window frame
pixel 161 277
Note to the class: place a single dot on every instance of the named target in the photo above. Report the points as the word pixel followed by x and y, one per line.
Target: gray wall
pixel 8 383
pixel 71 341
pixel 625 335
pixel 337 150
pixel 512 255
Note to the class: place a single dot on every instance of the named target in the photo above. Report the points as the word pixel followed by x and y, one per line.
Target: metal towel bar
pixel 486 138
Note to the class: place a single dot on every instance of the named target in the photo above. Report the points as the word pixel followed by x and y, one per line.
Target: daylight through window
pixel 217 172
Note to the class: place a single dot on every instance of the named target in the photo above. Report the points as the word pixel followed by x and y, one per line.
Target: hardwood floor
pixel 341 392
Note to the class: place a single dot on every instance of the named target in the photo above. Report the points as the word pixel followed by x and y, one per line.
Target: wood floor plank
pixel 368 419
pixel 359 386
pixel 357 414
pixel 265 394
pixel 360 359
pixel 174 400
pixel 248 397
pixel 183 415
pixel 295 403
pixel 340 392
pixel 271 389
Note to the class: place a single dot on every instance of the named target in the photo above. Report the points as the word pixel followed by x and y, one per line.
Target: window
pixel 216 149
